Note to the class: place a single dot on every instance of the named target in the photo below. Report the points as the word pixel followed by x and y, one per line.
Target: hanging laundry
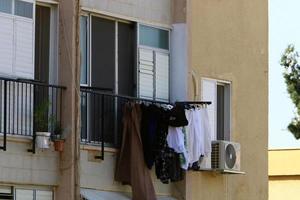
pixel 198 135
pixel 205 132
pixel 177 117
pixel 131 168
pixel 176 141
pixel 167 163
pixel 148 132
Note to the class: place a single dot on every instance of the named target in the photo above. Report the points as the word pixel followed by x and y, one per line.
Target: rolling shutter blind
pixel 24 66
pixel 146 73
pixel 17 39
pixel 24 194
pixel 43 195
pixel 6 44
pixel 209 93
pixel 162 76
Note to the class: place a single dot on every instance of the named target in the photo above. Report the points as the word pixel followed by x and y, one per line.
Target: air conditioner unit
pixel 225 156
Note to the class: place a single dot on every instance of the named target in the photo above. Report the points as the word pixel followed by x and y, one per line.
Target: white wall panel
pixel 6 44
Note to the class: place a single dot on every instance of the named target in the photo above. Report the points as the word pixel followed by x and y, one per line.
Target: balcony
pixel 25 105
pixel 101 116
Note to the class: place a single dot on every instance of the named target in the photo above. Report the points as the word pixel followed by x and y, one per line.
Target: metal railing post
pixel 5 116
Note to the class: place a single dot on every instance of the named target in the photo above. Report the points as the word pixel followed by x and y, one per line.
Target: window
pixel 84 49
pixel 108 48
pixel 219 93
pixel 16 34
pixel 154 37
pixel 32 194
pixel 6 6
pixel 23 9
pixel 154 58
pixel 223 111
pixel 108 54
pixel 6 192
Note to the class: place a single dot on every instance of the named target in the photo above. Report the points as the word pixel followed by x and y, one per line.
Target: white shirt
pixel 175 141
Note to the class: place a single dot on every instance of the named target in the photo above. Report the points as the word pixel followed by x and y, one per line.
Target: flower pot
pixel 59 145
pixel 42 140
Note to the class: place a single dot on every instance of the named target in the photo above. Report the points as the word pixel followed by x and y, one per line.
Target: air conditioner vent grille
pixel 215 156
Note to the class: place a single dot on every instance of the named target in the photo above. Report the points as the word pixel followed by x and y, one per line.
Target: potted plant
pixel 57 136
pixel 41 126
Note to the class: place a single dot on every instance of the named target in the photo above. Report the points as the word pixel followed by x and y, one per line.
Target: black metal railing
pixel 102 113
pixel 27 106
pixel 101 117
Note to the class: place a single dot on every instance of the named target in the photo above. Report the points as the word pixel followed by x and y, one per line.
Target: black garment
pixel 177 117
pixel 167 164
pixel 148 132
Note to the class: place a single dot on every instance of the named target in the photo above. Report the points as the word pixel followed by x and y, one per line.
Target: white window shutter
pixel 44 195
pixel 209 93
pixel 23 194
pixel 146 73
pixel 24 48
pixel 162 76
pixel 6 44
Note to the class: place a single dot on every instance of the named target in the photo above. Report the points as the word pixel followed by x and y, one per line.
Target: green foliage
pixel 41 117
pixel 43 122
pixel 291 74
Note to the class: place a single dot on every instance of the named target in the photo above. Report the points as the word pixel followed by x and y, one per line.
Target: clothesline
pixel 149 100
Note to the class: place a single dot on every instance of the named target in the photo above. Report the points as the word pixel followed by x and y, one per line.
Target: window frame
pixel 54 40
pixel 227 84
pixel 154 49
pixel 88 46
pixel 227 120
pixel 89 16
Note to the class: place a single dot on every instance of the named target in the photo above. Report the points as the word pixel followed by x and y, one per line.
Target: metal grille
pixel 215 156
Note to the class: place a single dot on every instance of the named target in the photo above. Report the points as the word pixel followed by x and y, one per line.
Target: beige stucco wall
pixel 284 174
pixel 148 11
pixel 284 162
pixel 284 188
pixel 20 167
pixel 228 40
pixel 99 174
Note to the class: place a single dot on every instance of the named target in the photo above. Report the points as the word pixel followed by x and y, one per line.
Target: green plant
pixel 41 117
pixel 291 74
pixel 43 121
pixel 57 130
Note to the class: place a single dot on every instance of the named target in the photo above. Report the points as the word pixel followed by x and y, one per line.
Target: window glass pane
pixel 126 60
pixel 5 6
pixel 83 49
pixel 154 37
pixel 23 9
pixel 220 112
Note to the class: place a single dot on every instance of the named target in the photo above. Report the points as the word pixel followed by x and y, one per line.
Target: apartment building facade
pixel 88 57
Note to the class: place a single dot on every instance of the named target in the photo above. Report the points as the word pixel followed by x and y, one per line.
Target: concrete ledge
pixel 88 147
